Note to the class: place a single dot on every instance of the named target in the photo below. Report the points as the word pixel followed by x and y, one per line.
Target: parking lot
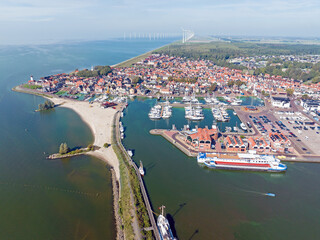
pixel 303 132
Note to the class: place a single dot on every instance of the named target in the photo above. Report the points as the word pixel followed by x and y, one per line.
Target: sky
pixel 45 21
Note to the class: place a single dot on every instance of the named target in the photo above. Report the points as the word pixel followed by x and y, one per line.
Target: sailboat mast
pixel 162 208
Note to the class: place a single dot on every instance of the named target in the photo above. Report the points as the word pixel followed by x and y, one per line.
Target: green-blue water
pixel 41 199
pixel 72 199
pixel 215 204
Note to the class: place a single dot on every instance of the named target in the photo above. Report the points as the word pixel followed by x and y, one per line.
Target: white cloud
pixel 102 18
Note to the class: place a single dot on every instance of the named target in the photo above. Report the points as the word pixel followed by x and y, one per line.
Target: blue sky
pixel 35 21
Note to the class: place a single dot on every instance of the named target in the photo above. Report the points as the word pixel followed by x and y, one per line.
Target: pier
pixel 141 183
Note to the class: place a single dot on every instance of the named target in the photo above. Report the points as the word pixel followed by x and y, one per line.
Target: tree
pixel 305 96
pixel 239 83
pixel 289 91
pixel 47 105
pixel 213 87
pixel 264 93
pixel 63 148
pixel 230 83
pixel 136 80
pixel 97 71
pixel 90 147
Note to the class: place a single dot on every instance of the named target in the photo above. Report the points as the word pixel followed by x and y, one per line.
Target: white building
pixel 280 102
pixel 310 105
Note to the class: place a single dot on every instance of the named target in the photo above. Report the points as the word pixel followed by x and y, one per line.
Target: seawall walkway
pixel 141 183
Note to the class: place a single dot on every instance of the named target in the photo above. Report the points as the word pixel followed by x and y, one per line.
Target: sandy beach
pixel 100 121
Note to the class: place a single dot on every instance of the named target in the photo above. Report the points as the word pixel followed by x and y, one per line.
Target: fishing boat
pixel 141 170
pixel 164 226
pixel 242 161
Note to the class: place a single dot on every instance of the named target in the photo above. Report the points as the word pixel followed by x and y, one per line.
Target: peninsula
pixel 278 126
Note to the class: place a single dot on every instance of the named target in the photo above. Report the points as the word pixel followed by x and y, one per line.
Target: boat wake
pixel 269 194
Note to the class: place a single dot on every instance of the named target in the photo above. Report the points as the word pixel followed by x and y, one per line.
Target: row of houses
pixel 171 75
pixel 205 139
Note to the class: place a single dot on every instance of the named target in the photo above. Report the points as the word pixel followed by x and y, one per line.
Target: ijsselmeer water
pixel 72 199
pixel 215 204
pixel 42 199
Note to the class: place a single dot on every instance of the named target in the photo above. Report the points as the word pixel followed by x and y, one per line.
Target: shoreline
pixel 92 115
pixel 101 124
pixel 139 57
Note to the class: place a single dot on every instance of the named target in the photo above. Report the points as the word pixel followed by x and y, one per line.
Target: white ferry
pixel 242 161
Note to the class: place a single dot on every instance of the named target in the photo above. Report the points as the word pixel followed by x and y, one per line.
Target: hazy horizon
pixel 36 21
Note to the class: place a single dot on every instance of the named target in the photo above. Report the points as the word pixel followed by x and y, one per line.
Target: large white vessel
pixel 242 161
pixel 164 227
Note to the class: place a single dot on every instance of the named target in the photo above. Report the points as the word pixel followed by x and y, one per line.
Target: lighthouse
pixel 31 78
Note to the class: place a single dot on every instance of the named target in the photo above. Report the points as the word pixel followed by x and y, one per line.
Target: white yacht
pixel 155 112
pixel 243 126
pixel 236 102
pixel 130 152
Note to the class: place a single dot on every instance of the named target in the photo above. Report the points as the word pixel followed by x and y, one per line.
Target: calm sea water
pixel 215 204
pixel 42 199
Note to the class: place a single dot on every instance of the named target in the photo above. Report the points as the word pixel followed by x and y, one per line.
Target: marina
pixel 186 194
pixel 211 209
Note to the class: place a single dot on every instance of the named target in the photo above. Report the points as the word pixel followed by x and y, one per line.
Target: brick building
pixel 203 139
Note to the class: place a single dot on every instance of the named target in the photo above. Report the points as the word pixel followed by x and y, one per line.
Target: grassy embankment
pixel 129 184
pixel 29 86
pixel 23 89
pixel 129 62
